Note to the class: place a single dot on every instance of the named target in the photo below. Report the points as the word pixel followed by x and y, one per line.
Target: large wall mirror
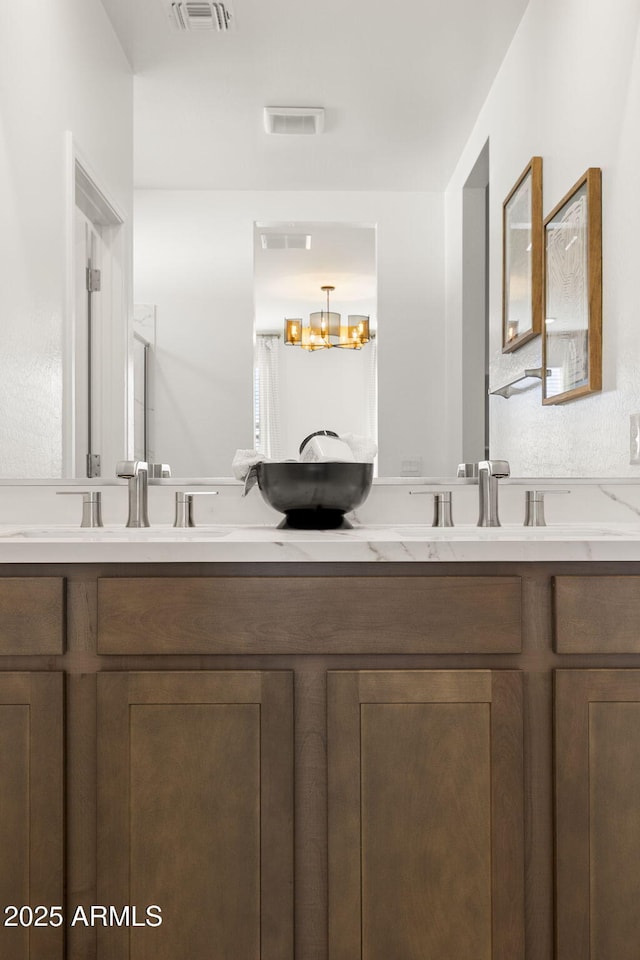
pixel 171 124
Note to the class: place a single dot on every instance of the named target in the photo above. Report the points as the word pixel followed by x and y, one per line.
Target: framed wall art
pixel 522 259
pixel 572 340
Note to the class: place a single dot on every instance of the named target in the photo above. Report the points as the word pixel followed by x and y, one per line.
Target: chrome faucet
pixel 137 473
pixel 488 473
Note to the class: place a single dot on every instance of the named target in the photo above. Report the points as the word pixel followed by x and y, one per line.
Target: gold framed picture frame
pixel 522 259
pixel 572 338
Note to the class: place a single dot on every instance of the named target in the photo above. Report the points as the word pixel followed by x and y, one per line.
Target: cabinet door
pixel 195 813
pixel 425 815
pixel 597 776
pixel 31 814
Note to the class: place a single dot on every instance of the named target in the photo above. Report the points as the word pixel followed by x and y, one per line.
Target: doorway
pixel 95 379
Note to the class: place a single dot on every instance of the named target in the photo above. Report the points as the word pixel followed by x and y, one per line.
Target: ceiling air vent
pixel 293 119
pixel 202 15
pixel 285 241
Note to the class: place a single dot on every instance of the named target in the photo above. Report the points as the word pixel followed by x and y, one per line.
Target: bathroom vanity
pixel 371 743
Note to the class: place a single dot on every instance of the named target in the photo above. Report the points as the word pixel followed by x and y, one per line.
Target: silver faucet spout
pixel 137 473
pixel 488 473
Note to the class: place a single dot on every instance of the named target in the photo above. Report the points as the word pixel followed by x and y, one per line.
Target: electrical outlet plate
pixel 411 467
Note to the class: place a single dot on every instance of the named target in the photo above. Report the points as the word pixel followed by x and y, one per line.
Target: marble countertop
pixel 261 543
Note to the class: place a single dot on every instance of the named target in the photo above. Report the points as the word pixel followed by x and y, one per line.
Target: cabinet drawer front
pixel 597 614
pixel 309 614
pixel 31 615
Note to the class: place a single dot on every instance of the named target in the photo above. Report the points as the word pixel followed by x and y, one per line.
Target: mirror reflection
pixel 190 320
pixel 163 127
pixel 296 390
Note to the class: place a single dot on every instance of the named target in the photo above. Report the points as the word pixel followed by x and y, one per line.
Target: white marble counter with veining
pixel 262 543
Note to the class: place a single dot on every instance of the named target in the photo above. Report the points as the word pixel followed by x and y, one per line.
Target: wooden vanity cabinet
pixel 447 752
pixel 183 737
pixel 424 789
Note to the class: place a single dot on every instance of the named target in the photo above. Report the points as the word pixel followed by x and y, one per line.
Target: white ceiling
pixel 401 84
pixel 286 283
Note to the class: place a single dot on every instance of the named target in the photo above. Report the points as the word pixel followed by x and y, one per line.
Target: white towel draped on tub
pixel 364 449
pixel 244 460
pixel 244 467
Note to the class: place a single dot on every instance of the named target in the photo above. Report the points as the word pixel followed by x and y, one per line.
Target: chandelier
pixel 325 329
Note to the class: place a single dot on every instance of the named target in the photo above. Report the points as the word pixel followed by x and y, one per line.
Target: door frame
pixel 113 345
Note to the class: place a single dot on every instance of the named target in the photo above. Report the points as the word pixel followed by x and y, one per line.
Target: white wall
pixel 325 389
pixel 569 91
pixel 61 69
pixel 193 258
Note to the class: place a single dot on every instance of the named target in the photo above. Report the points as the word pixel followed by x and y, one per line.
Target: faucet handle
pixel 467 470
pixel 534 507
pixel 91 505
pixel 184 506
pixel 441 506
pixel 130 468
pixel 442 509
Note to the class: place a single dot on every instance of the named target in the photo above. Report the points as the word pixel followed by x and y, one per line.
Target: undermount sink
pixel 121 533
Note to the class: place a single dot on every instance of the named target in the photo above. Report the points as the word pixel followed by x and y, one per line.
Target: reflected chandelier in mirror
pixel 325 329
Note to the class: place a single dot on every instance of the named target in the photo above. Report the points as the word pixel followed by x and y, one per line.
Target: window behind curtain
pixel 266 397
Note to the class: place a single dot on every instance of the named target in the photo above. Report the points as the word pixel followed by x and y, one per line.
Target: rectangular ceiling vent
pixel 285 241
pixel 202 15
pixel 294 120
